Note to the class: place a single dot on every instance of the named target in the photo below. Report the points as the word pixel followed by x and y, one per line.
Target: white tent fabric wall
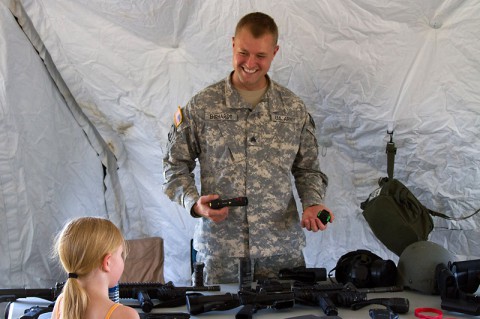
pixel 44 155
pixel 360 66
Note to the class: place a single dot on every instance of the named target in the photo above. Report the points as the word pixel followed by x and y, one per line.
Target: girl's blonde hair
pixel 81 247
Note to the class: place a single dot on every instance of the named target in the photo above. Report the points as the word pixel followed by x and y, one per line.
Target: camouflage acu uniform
pixel 244 152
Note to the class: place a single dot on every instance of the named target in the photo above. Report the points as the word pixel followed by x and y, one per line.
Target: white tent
pixel 88 90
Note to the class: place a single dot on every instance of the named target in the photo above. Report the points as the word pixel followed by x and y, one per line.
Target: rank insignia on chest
pixel 178 117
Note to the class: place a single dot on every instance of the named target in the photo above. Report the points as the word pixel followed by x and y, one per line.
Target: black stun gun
pixel 220 203
pixel 324 216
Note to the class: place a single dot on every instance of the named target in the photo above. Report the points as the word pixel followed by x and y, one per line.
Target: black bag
pixel 395 215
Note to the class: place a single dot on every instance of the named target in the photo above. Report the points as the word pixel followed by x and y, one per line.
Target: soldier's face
pixel 252 58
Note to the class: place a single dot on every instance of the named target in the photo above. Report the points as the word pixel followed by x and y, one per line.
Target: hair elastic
pixel 72 275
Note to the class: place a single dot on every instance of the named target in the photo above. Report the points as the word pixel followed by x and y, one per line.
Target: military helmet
pixel 417 263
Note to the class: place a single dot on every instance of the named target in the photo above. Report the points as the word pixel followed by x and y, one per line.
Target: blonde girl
pixel 91 250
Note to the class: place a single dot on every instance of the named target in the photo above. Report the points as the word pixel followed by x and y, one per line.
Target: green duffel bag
pixel 396 216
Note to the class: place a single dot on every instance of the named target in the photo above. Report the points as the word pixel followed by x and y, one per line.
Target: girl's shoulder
pixel 56 307
pixel 124 312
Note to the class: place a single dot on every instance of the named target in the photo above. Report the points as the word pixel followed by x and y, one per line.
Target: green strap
pixel 391 151
pixel 437 214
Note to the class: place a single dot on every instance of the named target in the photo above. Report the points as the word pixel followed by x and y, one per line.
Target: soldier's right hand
pixel 202 208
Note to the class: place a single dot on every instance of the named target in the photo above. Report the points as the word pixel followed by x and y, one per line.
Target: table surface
pixel 416 300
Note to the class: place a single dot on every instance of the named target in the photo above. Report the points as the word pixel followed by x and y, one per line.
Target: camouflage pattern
pixel 226 270
pixel 250 153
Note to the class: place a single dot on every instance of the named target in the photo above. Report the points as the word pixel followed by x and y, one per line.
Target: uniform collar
pixel 234 101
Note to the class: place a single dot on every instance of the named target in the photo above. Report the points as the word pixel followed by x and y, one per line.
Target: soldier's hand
pixel 311 222
pixel 202 208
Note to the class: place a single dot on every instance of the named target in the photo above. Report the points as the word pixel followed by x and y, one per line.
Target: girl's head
pixel 84 245
pixel 84 242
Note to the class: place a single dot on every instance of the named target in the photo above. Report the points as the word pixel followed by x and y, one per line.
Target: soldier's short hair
pixel 258 24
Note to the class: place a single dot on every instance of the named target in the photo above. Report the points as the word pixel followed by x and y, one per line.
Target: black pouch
pixel 365 269
pixel 396 216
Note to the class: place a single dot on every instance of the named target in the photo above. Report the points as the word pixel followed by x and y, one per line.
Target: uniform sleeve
pixel 179 161
pixel 310 181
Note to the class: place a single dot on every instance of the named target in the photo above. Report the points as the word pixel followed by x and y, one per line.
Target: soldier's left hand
pixel 310 220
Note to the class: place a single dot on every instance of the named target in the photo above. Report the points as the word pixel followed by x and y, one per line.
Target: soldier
pixel 250 135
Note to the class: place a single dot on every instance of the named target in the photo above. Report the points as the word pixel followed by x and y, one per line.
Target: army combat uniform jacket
pixel 245 152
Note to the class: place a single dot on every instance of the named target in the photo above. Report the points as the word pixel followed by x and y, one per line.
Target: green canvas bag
pixel 395 215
